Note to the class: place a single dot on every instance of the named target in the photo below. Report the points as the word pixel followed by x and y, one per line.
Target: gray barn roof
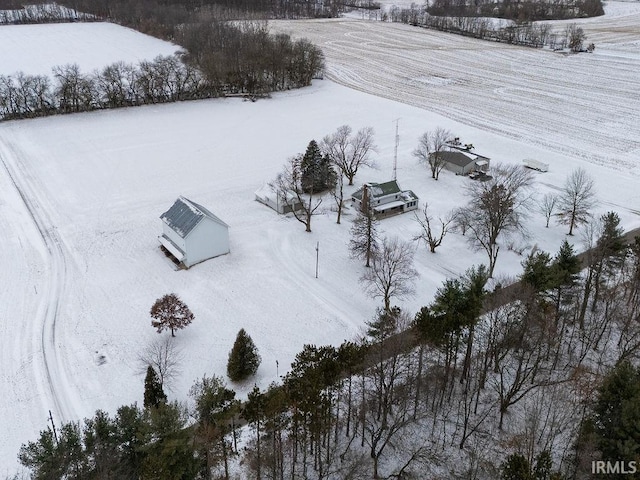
pixel 457 158
pixel 184 215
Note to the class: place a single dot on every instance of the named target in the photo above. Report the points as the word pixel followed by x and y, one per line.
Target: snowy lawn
pixel 77 291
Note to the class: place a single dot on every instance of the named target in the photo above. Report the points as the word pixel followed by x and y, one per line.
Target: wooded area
pixel 530 367
pixel 221 58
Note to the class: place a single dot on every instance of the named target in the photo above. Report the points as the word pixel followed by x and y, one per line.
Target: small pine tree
pixel 154 395
pixel 566 266
pixel 169 312
pixel 516 467
pixel 244 359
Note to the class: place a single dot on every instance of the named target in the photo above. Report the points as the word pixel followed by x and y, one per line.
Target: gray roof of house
pixel 184 215
pixel 379 189
pixel 457 158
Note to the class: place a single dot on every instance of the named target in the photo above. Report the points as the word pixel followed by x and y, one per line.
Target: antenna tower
pixel 395 152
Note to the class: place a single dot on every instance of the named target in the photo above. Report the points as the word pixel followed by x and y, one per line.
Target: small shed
pixel 192 234
pixel 279 201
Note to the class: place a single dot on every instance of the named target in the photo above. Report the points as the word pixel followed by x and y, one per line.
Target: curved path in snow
pixel 47 363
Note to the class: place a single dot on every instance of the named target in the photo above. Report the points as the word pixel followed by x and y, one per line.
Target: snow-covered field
pixel 80 263
pixel 36 49
pixel 583 106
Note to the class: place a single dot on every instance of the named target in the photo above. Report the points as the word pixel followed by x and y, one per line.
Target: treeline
pixel 155 15
pixel 223 57
pixel 165 79
pixel 535 35
pixel 252 62
pixel 517 380
pixel 526 11
pixel 12 13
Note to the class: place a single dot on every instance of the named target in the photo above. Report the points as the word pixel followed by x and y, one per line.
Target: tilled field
pixel 584 106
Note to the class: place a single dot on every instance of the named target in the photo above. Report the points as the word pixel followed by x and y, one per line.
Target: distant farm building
pixel 535 165
pixel 460 160
pixel 386 199
pixel 192 234
pixel 280 202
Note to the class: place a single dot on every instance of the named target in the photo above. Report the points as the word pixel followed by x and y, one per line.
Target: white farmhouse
pixel 386 199
pixel 192 234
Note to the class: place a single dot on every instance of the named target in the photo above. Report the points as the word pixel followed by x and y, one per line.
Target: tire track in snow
pixel 51 372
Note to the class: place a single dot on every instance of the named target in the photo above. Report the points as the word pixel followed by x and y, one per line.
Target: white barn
pixel 192 234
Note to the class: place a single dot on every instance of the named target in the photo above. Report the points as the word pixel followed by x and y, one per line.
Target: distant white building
pixel 386 199
pixel 268 196
pixel 192 234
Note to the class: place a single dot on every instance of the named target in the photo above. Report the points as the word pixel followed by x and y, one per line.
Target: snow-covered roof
pixel 379 189
pixel 267 192
pixel 184 215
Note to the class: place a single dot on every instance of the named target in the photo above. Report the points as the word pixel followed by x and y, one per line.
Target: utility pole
pixel 55 434
pixel 395 152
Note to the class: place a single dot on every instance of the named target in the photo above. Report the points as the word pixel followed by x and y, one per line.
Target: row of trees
pixel 531 363
pixel 521 11
pixel 155 16
pixel 528 34
pixel 12 13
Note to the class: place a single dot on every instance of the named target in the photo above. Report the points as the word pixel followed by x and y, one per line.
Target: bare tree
pixel 288 185
pixel 430 148
pixel 170 313
pixel 165 358
pixel 338 195
pixel 364 232
pixel 576 199
pixel 349 152
pixel 391 274
pixel 496 207
pixel 428 234
pixel 575 37
pixel 547 206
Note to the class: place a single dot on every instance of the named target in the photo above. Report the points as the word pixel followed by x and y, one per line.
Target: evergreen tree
pixel 611 243
pixel 169 449
pixel 244 359
pixel 566 266
pixel 617 414
pixel 542 468
pixel 384 324
pixel 538 272
pixel 516 467
pixel 317 172
pixel 215 410
pixel 154 395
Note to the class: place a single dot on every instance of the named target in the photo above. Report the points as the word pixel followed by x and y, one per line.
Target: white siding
pixel 173 236
pixel 207 240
